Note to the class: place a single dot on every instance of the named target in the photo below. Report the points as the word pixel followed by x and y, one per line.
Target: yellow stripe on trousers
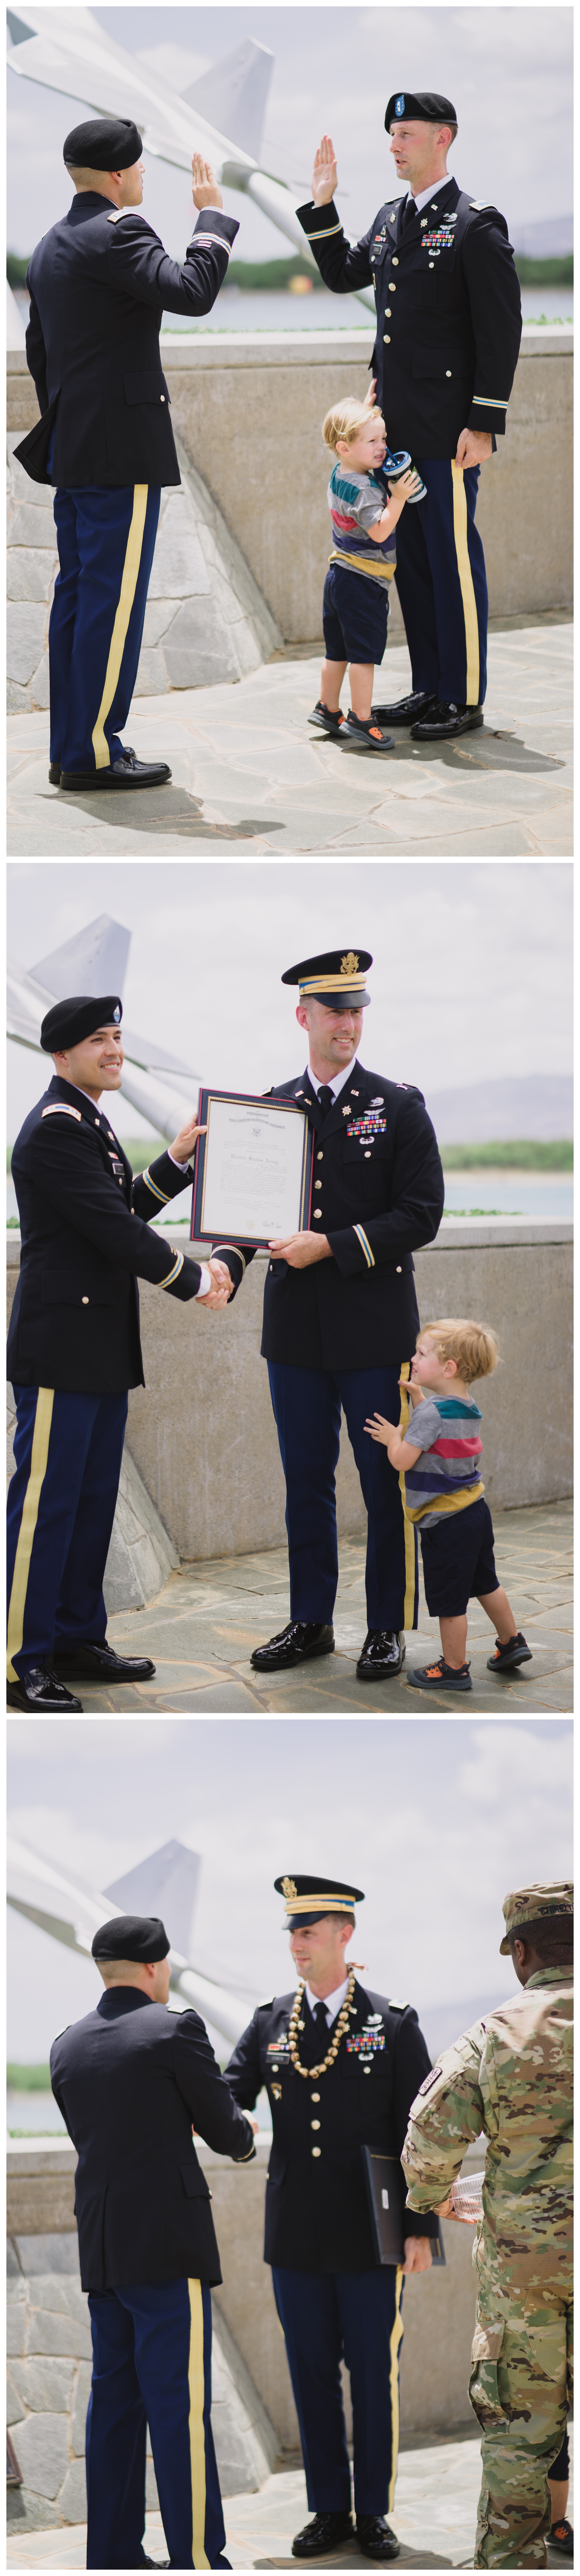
pixel 196 2427
pixel 467 590
pixel 409 1611
pixel 38 1467
pixel 396 2338
pixel 119 635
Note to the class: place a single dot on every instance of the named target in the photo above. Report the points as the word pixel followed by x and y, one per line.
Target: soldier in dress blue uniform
pixel 130 2080
pixel 341 2065
pixel 448 335
pixel 74 1350
pixel 341 1317
pixel 99 283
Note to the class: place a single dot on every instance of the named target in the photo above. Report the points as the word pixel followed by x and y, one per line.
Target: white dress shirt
pixel 338 1079
pixel 426 196
pixel 332 2003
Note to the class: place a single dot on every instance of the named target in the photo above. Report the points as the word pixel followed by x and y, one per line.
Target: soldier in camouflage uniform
pixel 511 2076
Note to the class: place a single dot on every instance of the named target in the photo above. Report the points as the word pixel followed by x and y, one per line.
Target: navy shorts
pixel 355 614
pixel 458 1560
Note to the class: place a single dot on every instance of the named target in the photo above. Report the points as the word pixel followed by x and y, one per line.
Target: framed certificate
pixel 253 1169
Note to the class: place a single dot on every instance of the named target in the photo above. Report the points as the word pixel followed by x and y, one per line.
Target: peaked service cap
pixel 78 1017
pixel 336 979
pixel 424 106
pixel 530 1905
pixel 138 1937
pixel 308 1899
pixel 102 143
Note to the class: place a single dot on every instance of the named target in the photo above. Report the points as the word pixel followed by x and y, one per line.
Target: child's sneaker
pixel 325 717
pixel 561 2538
pixel 516 1652
pixel 359 730
pixel 440 1676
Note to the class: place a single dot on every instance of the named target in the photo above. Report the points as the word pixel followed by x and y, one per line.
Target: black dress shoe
pixel 126 772
pixel 405 710
pixel 101 1663
pixel 39 1688
pixel 54 781
pixel 293 1645
pixel 321 2536
pixel 375 2537
pixel 443 720
pixel 383 1654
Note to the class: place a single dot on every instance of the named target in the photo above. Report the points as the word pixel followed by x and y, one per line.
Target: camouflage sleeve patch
pixel 447 2114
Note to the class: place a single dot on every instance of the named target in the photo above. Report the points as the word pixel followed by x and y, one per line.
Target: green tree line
pixel 276 273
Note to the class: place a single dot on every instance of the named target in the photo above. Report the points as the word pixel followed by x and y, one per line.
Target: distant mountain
pixel 551 238
pixel 442 2023
pixel 530 1104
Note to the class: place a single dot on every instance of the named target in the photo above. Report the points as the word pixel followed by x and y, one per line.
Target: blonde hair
pixel 473 1346
pixel 345 420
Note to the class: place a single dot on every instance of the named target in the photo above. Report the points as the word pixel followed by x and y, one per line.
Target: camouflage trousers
pixel 521 2372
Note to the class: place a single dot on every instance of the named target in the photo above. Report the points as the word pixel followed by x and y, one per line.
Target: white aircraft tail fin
pixel 165 1884
pixel 233 94
pixel 94 961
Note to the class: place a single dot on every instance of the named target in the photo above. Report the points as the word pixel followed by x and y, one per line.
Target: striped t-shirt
pixel 355 502
pixel 446 1476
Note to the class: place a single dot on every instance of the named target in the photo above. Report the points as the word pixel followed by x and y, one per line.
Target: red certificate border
pixel 250 1100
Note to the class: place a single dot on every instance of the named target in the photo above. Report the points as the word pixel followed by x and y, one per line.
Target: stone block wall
pixel 205 618
pixel 48 2388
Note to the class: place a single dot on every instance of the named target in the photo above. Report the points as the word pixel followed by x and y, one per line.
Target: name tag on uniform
pixel 371 1125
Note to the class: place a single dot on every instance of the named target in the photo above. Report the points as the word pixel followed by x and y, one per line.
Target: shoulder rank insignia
pixel 266 2000
pixel 479 205
pixel 62 1109
pixel 395 2004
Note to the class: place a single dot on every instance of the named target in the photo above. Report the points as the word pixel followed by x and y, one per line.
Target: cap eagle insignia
pixel 349 964
pixel 288 1887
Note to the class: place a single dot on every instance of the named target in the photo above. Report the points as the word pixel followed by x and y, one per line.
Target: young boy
pixel 439 1457
pixel 362 563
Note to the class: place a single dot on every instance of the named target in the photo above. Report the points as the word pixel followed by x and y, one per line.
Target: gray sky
pixel 483 952
pixel 435 1818
pixel 507 70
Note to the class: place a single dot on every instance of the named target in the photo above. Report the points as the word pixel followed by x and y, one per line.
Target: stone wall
pixel 202 1431
pixel 254 2420
pixel 49 2379
pixel 205 618
pixel 247 408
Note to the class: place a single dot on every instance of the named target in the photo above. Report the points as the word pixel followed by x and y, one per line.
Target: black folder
pixel 390 2219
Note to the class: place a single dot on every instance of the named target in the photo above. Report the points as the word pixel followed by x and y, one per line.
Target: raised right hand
pixel 205 189
pixel 324 174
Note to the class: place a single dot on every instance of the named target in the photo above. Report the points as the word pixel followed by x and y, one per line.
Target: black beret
pixel 425 106
pixel 132 1936
pixel 69 1021
pixel 103 143
pixel 337 979
pixel 309 1899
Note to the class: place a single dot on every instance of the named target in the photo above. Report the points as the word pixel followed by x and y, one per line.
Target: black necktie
pixel 326 1098
pixel 321 2028
pixel 409 213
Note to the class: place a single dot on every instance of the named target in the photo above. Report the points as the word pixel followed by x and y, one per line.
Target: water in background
pixel 35 2111
pixel 242 309
pixel 522 1193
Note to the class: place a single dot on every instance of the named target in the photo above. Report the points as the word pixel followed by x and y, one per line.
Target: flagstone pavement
pixel 434 2517
pixel 249 774
pixel 202 1627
